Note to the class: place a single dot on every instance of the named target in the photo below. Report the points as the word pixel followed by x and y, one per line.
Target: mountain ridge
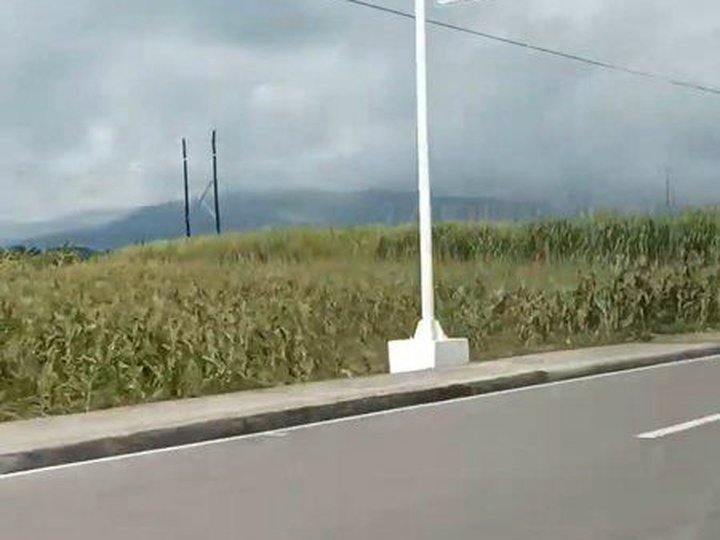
pixel 258 210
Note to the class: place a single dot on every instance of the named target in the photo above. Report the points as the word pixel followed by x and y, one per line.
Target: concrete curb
pixel 565 373
pixel 42 443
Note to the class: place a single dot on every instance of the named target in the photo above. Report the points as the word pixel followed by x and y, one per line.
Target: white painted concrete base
pixel 419 354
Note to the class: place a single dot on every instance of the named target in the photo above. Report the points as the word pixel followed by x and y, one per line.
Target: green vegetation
pixel 602 239
pixel 189 318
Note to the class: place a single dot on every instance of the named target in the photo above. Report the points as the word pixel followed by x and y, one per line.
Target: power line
pixel 545 50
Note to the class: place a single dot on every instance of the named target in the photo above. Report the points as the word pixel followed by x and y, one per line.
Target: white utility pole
pixel 430 348
pixel 428 325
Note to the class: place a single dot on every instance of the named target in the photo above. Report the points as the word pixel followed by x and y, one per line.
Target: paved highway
pixel 631 456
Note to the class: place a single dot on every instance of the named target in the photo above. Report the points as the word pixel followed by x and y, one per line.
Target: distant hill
pixel 12 233
pixel 244 211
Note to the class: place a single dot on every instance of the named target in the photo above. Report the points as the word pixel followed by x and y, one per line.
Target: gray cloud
pixel 97 94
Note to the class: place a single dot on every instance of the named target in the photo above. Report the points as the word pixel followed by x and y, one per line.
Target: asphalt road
pixel 558 462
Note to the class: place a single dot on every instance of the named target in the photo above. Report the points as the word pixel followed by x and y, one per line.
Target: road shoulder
pixel 46 442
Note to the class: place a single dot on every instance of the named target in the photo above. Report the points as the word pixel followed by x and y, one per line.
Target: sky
pixel 97 95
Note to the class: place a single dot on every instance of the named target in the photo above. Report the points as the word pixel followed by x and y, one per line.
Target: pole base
pixel 424 352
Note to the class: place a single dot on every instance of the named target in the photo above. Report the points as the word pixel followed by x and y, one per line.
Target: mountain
pixel 16 233
pixel 256 210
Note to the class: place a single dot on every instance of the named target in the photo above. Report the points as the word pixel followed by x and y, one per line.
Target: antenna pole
pixel 215 182
pixel 188 232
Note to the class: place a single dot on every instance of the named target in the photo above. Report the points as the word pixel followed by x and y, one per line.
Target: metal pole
pixel 430 348
pixel 188 232
pixel 426 329
pixel 215 183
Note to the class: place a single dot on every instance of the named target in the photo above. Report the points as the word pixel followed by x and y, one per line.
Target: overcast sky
pixel 96 95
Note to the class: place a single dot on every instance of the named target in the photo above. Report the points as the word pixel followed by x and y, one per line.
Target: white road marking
pixel 275 434
pixel 680 428
pixel 288 430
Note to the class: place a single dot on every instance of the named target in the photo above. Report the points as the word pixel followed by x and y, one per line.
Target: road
pixel 630 456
